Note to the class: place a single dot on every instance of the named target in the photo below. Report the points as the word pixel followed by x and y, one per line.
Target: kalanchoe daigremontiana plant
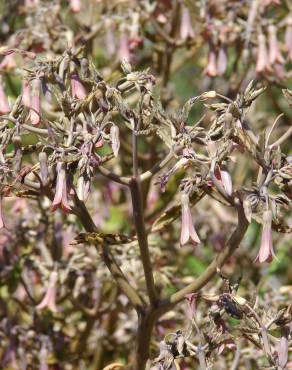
pixel 145 185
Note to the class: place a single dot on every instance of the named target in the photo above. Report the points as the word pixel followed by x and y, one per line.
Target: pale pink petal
pixel 211 69
pixel 186 29
pixel 49 300
pixel 75 5
pixel 226 181
pixel 26 93
pixel 288 40
pixel 274 51
pixel 124 51
pixel 221 61
pixel 35 101
pixel 1 215
pixel 262 64
pixel 78 90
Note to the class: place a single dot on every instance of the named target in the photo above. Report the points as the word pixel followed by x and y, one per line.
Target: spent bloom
pixel 61 195
pixel 49 300
pixel 187 228
pixel 266 252
pixel 224 177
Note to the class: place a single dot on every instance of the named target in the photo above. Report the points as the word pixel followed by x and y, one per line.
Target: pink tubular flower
pixel 224 177
pixel 211 68
pixel 115 139
pixel 191 304
pixel 75 5
pixel 25 93
pixel 78 90
pixel 274 51
pixel 186 29
pixel 8 63
pixel 124 51
pixel 266 252
pixel 262 64
pixel 221 61
pixel 35 101
pixel 61 195
pixel 4 105
pixel 288 40
pixel 49 300
pixel 187 228
pixel 1 215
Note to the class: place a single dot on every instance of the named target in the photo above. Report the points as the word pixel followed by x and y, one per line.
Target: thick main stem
pixel 142 239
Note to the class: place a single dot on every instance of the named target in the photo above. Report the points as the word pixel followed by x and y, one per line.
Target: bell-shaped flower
pixel 25 93
pixel 282 347
pixel 266 252
pixel 49 300
pixel 211 68
pixel 186 29
pixel 288 39
pixel 1 215
pixel 77 89
pixel 274 51
pixel 224 177
pixel 262 64
pixel 61 195
pixel 221 61
pixel 187 228
pixel 4 105
pixel 124 50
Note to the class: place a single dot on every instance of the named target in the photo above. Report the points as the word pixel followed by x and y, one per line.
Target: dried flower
pixel 49 300
pixel 187 228
pixel 274 51
pixel 186 29
pixel 61 195
pixel 4 105
pixel 115 139
pixel 77 89
pixel 266 252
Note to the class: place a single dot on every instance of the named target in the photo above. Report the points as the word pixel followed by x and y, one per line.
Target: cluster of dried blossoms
pixel 102 150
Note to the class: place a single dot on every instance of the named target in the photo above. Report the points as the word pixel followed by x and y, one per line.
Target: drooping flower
pixel 115 139
pixel 78 90
pixel 49 300
pixel 221 61
pixel 8 63
pixel 25 93
pixel 4 105
pixel 109 37
pixel 262 64
pixel 274 51
pixel 224 177
pixel 211 68
pixel 34 113
pixel 282 347
pixel 186 29
pixel 187 228
pixel 124 50
pixel 1 215
pixel 191 304
pixel 288 39
pixel 266 252
pixel 44 171
pixel 61 195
